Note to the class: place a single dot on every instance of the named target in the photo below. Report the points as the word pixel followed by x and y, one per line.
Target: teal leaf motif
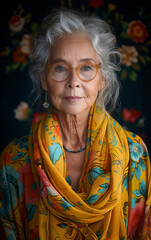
pixel 89 140
pixel 93 198
pixel 125 183
pixel 99 234
pixel 132 175
pixel 18 156
pixel 66 205
pixel 142 165
pixel 133 165
pixel 68 180
pixel 145 154
pixel 89 178
pixel 64 225
pixel 130 140
pixel 96 172
pixel 27 159
pixel 138 172
pixel 30 211
pixel 55 151
pixel 80 204
pixel 137 193
pixel 53 138
pixel 133 202
pixel 133 135
pixel 142 187
pixel 104 187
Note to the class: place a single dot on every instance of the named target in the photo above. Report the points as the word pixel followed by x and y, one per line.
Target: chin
pixel 75 110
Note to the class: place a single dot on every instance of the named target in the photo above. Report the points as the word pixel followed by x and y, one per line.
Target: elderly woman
pixel 79 174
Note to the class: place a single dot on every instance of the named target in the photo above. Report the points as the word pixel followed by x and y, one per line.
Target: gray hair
pixel 61 22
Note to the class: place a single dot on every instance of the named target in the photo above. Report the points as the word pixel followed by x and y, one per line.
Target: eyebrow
pixel 64 61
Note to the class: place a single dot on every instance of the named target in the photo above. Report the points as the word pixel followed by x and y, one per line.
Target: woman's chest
pixel 74 167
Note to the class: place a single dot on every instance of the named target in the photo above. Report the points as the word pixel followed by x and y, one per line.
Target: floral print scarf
pixel 113 199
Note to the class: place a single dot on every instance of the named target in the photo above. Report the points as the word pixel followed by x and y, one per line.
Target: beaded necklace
pixel 74 151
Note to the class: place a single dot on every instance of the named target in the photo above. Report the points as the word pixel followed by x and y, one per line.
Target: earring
pixel 46 103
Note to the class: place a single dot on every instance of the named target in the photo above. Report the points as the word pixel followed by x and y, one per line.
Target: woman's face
pixel 73 96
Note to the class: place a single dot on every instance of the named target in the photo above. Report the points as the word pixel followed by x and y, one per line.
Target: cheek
pixel 94 88
pixel 55 91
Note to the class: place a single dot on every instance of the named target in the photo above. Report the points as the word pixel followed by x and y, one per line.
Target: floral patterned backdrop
pixel 131 22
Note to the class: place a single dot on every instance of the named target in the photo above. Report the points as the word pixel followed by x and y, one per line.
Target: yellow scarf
pixel 95 210
pixel 113 200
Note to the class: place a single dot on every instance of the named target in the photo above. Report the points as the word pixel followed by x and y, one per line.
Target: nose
pixel 73 81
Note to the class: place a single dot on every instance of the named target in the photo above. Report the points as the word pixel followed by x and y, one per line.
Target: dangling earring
pixel 46 103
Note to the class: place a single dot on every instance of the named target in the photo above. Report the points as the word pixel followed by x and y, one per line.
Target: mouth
pixel 73 99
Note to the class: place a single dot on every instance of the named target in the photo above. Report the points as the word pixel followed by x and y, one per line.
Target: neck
pixel 73 129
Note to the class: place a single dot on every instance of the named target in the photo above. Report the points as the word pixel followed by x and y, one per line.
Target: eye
pixel 60 69
pixel 86 67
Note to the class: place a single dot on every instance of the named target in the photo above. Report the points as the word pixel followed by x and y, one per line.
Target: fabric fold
pixel 100 184
pixel 114 185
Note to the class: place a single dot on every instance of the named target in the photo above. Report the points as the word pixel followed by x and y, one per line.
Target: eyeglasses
pixel 60 71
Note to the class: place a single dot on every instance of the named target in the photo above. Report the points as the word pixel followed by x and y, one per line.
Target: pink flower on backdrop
pixel 27 44
pixel 22 111
pixel 130 115
pixel 129 55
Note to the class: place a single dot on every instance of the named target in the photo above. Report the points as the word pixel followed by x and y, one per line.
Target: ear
pixel 102 84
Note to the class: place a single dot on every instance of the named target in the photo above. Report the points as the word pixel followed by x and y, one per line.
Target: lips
pixel 73 99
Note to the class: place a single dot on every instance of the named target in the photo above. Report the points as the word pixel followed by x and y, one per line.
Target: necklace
pixel 74 151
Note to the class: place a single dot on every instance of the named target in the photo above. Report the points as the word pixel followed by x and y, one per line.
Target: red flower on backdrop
pixel 14 20
pixel 37 116
pixel 138 31
pixel 130 115
pixel 19 56
pixel 16 23
pixel 96 3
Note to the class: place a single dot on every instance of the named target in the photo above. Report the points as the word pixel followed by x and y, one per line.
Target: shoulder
pixel 16 151
pixel 137 147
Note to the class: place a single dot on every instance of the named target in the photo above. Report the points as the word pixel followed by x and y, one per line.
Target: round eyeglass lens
pixel 59 71
pixel 87 71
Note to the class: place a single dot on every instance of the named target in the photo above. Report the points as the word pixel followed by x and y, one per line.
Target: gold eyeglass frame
pixel 97 66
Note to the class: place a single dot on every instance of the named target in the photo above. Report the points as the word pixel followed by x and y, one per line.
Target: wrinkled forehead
pixel 73 47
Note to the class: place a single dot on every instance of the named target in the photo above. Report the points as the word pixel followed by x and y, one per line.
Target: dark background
pixel 16 85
